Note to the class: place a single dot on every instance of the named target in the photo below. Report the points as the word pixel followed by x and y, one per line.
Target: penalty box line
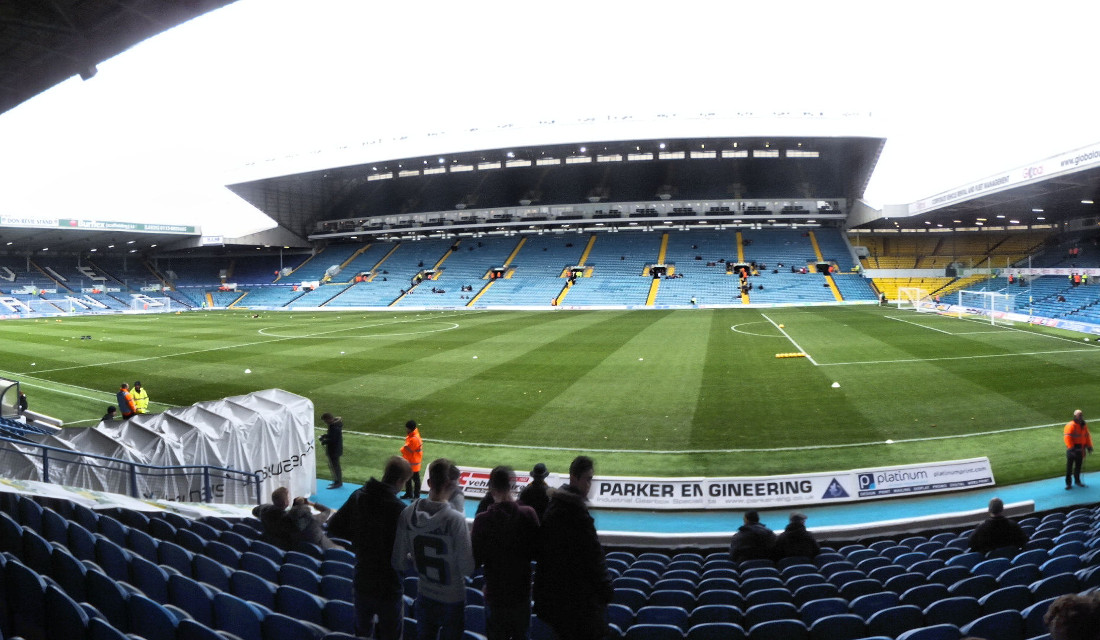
pixel 788 337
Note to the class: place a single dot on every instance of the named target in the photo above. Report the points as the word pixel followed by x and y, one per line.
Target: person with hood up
pixel 796 541
pixel 432 537
pixel 369 520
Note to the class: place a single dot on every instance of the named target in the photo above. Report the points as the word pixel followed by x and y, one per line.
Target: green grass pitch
pixel 665 393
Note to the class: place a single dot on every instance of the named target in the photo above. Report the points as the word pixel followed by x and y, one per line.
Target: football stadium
pixel 706 308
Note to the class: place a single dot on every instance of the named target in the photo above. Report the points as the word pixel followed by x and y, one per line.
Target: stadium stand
pixel 167 576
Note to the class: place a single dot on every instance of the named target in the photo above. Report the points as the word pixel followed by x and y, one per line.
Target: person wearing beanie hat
pixel 795 540
pixel 537 494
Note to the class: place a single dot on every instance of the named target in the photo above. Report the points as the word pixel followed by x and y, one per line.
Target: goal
pixel 150 304
pixel 916 299
pixel 988 306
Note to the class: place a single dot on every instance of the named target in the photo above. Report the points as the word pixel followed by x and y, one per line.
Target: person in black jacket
pixel 796 541
pixel 997 531
pixel 572 586
pixel 333 440
pixel 369 520
pixel 536 494
pixel 753 540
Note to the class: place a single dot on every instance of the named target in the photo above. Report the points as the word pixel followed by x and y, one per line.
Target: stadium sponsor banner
pixel 763 492
pixel 929 477
pixel 1051 271
pixel 474 481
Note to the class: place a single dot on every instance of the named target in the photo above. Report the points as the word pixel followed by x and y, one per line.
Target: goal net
pixel 151 304
pixel 916 299
pixel 988 306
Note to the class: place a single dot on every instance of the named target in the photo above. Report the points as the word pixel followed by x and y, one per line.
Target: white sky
pixel 961 90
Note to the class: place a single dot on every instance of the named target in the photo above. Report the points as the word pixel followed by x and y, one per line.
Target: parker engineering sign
pixel 766 492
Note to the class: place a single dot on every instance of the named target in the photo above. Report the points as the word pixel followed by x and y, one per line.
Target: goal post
pixel 987 306
pixel 916 299
pixel 150 304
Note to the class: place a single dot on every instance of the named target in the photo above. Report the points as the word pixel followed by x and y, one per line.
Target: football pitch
pixel 648 393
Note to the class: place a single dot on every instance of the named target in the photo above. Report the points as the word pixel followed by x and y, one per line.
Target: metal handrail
pixel 133 469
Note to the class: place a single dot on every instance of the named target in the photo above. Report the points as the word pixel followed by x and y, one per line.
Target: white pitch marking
pixel 705 451
pixel 808 356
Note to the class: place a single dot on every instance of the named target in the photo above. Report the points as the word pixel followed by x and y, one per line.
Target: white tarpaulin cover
pixel 269 432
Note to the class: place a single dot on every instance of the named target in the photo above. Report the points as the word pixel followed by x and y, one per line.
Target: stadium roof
pixel 624 171
pixel 43 43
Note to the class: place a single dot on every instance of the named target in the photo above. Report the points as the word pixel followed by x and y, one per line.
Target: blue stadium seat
pixel 69 573
pixel 223 554
pixel 1002 625
pixel 654 632
pixel 974 586
pixel 715 613
pixel 142 544
pixel 672 598
pixel 957 611
pixel 36 551
pixel 771 611
pixel 934 632
pixel 1055 585
pixel 1033 556
pixel 336 588
pixel 1016 597
pixel 340 616
pixel 193 597
pixel 855 588
pixel 149 578
pixel 1060 564
pixel 251 587
pixel 894 621
pixel 867 605
pixel 284 627
pixel 949 575
pixel 815 609
pixel 619 615
pixel 298 576
pixel 842 626
pixel 238 617
pixel 779 630
pixel 233 539
pixel 1023 574
pixel 901 583
pixel 778 594
pixel 339 568
pixel 149 619
pixel 706 584
pixel 55 528
pixel 719 572
pixel 633 599
pixel 721 596
pixel 174 556
pixel 81 542
pixel 796 582
pixel 924 595
pixel 839 578
pixel 191 541
pixel 886 572
pixel 259 565
pixel 691 575
pixel 108 598
pixel 798 569
pixel 100 629
pixel 925 567
pixel 1033 617
pixel 211 572
pixel 873 562
pixel 650 614
pixel 475 618
pixel 64 617
pixel 818 591
pixel 967 560
pixel 993 567
pixel 113 559
pixel 300 604
pixel 716 631
pixel 629 582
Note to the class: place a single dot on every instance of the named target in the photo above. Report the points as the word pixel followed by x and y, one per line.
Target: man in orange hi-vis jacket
pixel 413 451
pixel 1078 440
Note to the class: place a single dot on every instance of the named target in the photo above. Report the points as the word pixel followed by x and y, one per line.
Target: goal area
pixel 151 305
pixel 987 306
pixel 916 299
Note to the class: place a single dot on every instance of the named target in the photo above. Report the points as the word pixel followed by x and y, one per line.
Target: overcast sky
pixel 961 90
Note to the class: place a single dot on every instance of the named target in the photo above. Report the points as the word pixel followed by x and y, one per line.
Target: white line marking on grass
pixel 749 333
pixel 780 330
pixel 703 451
pixel 322 335
pixel 187 353
pixel 917 324
pixel 991 355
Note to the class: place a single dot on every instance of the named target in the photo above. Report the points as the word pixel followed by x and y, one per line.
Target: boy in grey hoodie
pixel 432 538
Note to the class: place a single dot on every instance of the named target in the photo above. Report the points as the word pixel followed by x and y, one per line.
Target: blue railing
pixel 12 440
